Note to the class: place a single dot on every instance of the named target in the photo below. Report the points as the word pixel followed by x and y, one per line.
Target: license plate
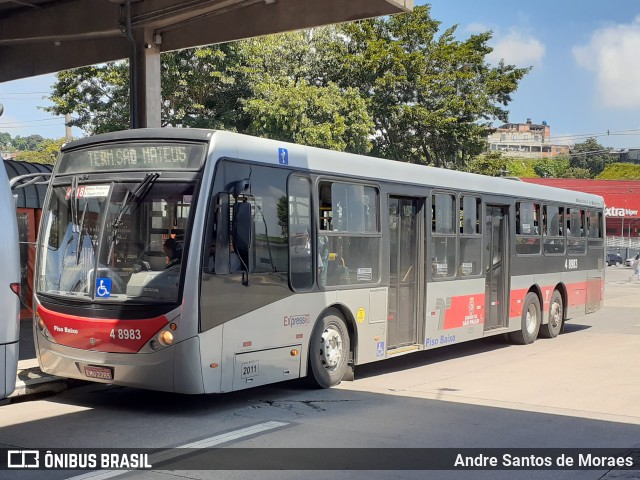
pixel 101 373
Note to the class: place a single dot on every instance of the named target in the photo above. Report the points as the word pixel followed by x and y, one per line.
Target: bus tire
pixel 329 350
pixel 530 322
pixel 556 317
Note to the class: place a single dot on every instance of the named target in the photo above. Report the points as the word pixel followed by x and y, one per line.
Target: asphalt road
pixel 580 390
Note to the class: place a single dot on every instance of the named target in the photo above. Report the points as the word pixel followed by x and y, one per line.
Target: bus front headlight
pixel 166 337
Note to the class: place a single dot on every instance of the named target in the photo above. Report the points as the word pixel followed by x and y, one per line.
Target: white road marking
pixel 175 452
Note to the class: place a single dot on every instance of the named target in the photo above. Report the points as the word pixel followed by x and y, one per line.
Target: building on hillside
pixel 526 140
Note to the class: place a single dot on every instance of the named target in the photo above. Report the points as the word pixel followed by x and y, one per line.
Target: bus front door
pixel 404 261
pixel 496 242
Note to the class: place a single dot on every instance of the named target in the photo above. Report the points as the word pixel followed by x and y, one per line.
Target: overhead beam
pixel 281 16
pixel 61 22
pixel 73 33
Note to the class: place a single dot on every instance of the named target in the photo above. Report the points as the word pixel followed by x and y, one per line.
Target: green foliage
pixel 289 101
pixel 33 148
pixel 577 172
pixel 98 97
pixel 26 143
pixel 205 87
pixel 555 167
pixel 432 97
pixel 495 164
pixel 591 156
pixel 620 171
pixel 315 116
pixel 5 140
pixel 46 151
pixel 521 168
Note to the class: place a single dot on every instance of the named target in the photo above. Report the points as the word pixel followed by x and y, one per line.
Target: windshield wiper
pixel 140 191
pixel 80 234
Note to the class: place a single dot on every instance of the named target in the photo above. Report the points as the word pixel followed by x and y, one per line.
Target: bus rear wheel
pixel 530 322
pixel 329 350
pixel 556 317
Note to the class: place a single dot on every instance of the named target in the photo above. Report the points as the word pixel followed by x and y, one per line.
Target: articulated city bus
pixel 9 289
pixel 204 261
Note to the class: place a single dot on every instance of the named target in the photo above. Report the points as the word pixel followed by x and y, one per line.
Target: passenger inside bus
pixel 172 251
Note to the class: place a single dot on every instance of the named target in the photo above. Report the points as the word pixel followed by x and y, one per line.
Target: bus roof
pixel 274 152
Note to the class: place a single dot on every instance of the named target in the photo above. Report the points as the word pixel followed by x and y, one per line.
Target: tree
pixel 97 96
pixel 432 98
pixel 551 167
pixel 290 100
pixel 27 143
pixel 591 156
pixel 577 172
pixel 5 140
pixel 316 116
pixel 46 151
pixel 205 88
pixel 493 164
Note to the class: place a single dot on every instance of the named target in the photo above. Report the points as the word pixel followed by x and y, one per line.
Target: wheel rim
pixel 331 351
pixel 555 319
pixel 532 319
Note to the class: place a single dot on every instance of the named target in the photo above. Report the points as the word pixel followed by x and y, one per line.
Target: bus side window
pixel 443 236
pixel 349 222
pixel 527 228
pixel 470 240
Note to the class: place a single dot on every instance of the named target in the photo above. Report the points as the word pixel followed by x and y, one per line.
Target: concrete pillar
pixel 148 96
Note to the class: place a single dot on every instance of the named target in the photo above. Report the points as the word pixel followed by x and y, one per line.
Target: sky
pixel 584 82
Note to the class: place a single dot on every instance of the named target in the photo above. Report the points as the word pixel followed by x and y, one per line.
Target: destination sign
pixel 134 156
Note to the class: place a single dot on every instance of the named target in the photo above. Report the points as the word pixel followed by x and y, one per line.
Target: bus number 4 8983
pixel 125 334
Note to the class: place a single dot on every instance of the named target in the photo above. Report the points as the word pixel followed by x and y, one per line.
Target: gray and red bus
pixel 201 261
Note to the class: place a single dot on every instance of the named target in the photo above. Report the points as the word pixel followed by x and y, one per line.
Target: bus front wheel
pixel 329 350
pixel 530 322
pixel 556 317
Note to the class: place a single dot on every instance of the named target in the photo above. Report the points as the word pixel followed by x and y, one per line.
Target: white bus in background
pixel 9 289
pixel 202 261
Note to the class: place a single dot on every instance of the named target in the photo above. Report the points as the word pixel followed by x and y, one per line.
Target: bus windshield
pixel 112 242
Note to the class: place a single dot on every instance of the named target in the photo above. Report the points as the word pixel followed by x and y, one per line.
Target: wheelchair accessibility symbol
pixel 380 349
pixel 103 287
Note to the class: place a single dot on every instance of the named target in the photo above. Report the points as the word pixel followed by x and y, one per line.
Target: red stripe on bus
pixel 576 296
pixel 468 310
pixel 101 334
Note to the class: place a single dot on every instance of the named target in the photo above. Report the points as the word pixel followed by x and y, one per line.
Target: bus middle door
pixel 496 242
pixel 404 268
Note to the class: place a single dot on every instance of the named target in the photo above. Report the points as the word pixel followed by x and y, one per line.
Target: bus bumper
pixel 172 369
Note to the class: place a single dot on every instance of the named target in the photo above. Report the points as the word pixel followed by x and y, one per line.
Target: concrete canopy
pixel 44 36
